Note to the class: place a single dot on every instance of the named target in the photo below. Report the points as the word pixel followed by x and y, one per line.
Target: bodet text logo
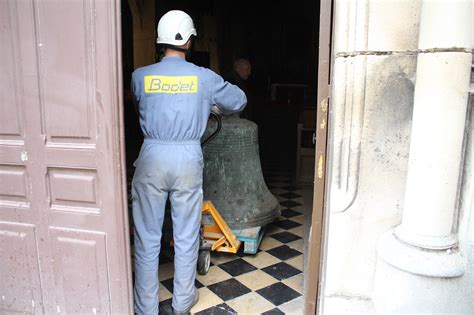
pixel 170 84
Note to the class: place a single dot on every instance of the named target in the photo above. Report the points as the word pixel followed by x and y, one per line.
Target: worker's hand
pixel 216 110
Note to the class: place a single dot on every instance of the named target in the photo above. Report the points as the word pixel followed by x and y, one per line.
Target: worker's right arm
pixel 228 97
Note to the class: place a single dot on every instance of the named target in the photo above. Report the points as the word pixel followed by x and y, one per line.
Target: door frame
pixel 314 259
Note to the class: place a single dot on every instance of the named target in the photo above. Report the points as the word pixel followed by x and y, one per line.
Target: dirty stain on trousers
pixel 174 99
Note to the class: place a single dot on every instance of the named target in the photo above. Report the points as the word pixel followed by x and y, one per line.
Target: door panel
pixel 11 127
pixel 62 193
pixel 80 269
pixel 20 270
pixel 14 191
pixel 73 190
pixel 67 64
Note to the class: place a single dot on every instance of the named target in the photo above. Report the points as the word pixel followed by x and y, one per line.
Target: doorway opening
pixel 280 39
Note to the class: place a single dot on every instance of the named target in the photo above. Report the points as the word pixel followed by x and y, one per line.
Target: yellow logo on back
pixel 170 84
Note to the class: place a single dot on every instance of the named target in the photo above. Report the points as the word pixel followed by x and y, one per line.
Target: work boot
pixel 188 310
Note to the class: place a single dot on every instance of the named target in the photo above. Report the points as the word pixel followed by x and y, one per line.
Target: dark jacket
pixel 234 78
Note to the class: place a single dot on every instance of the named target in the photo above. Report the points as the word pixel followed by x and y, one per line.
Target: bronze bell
pixel 233 178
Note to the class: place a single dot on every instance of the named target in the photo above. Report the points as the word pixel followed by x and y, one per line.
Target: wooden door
pixel 63 219
pixel 316 238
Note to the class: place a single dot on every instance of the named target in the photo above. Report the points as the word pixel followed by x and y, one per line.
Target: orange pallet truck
pixel 215 236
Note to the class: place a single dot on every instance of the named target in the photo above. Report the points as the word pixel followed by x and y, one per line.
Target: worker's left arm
pixel 228 97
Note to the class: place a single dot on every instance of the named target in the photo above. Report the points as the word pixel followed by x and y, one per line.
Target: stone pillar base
pixel 435 243
pixel 412 280
pixel 447 263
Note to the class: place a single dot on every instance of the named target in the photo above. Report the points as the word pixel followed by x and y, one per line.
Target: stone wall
pixel 375 58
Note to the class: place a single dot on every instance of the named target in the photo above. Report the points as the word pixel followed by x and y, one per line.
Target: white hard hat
pixel 175 28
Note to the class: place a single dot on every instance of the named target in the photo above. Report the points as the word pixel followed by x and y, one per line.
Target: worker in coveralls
pixel 174 100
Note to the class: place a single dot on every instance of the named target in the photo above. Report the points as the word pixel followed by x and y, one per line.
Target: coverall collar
pixel 173 58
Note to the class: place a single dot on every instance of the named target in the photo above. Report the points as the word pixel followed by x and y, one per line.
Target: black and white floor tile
pixel 268 282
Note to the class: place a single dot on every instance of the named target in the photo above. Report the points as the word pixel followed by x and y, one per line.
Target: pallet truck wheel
pixel 204 262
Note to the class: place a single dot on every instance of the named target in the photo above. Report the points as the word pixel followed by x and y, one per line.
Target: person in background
pixel 174 99
pixel 239 75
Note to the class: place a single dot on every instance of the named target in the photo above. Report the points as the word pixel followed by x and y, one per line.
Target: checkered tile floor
pixel 268 282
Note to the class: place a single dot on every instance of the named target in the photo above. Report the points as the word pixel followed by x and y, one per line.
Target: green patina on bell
pixel 233 178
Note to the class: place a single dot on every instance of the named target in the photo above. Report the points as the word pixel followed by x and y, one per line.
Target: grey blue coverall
pixel 174 99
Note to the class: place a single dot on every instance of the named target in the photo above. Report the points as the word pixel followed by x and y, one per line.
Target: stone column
pixel 422 250
pixel 439 116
